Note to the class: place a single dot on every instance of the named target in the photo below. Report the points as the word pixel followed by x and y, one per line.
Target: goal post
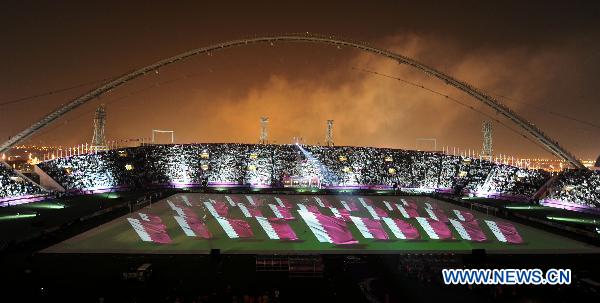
pixel 160 131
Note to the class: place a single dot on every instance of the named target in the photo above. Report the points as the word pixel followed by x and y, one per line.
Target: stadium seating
pixel 12 185
pixel 269 165
pixel 578 187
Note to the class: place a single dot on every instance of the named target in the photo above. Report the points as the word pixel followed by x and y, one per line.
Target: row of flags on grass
pixel 384 221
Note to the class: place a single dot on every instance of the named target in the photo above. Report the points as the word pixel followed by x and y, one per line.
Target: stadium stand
pixel 276 165
pixel 12 185
pixel 577 186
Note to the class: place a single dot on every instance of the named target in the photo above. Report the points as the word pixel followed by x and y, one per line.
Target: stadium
pixel 266 222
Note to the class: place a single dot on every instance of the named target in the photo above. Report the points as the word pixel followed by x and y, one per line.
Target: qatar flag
pixel 409 203
pixel 150 228
pixel 469 230
pixel 310 208
pixel 283 202
pixel 407 212
pixel 176 208
pixel 186 200
pixel 388 205
pixel 370 229
pixel 402 229
pixel 211 209
pixel 235 228
pixel 322 202
pixel 182 211
pixel 504 232
pixel 431 205
pixel 277 229
pixel 463 215
pixel 349 205
pixel 365 201
pixel 250 200
pixel 376 212
pixel 221 208
pixel 250 211
pixel 435 229
pixel 281 212
pixel 190 223
pixel 319 201
pixel 193 227
pixel 343 214
pixel 230 201
pixel 437 214
pixel 327 229
pixel 150 218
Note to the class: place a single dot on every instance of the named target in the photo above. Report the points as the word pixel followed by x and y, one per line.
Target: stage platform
pixel 120 236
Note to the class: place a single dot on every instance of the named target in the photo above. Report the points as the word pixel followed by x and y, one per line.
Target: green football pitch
pixel 118 236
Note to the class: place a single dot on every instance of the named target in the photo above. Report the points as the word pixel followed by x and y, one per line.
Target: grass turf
pixel 118 236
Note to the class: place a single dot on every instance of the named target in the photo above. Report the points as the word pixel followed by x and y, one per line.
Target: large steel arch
pixel 493 103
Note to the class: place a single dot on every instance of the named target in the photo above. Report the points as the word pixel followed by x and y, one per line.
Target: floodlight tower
pixel 329 136
pixel 99 140
pixel 487 140
pixel 264 121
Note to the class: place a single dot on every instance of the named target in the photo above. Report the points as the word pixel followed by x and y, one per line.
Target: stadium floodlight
pixel 154 131
pixel 264 121
pixel 99 138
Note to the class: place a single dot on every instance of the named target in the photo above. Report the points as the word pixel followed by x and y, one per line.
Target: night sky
pixel 540 58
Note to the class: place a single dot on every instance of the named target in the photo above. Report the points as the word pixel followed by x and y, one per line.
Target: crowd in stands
pixel 13 185
pixel 270 165
pixel 577 186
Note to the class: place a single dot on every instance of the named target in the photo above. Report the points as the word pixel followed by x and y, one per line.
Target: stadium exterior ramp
pixel 551 145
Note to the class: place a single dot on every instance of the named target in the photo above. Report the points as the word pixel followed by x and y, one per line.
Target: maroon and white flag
pixel 504 232
pixel 402 229
pixel 283 202
pixel 322 202
pixel 193 227
pixel 211 209
pixel 365 201
pixel 277 229
pixel 370 229
pixel 309 208
pixel 388 205
pixel 186 200
pixel 463 215
pixel 177 209
pixel 251 200
pixel 341 213
pixel 435 229
pixel 250 211
pixel 376 212
pixel 189 222
pixel 230 201
pixel 327 229
pixel 235 228
pixel 150 228
pixel 407 212
pixel 349 205
pixel 469 230
pixel 431 205
pixel 409 203
pixel 139 229
pixel 221 208
pixel 437 214
pixel 281 212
